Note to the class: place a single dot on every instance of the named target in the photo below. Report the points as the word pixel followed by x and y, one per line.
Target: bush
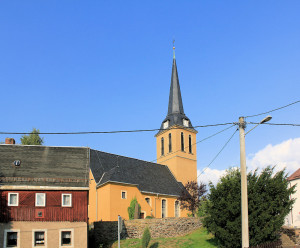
pixel 149 217
pixel 146 238
pixel 268 204
pixel 132 209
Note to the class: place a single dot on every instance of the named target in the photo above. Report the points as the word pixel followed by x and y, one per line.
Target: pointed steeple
pixel 175 114
pixel 175 100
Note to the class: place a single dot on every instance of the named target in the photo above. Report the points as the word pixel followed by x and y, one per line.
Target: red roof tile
pixel 295 175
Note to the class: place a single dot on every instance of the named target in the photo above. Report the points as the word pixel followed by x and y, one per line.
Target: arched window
pixel 182 142
pixel 147 200
pixel 190 144
pixel 176 208
pixel 170 142
pixel 162 146
pixel 164 208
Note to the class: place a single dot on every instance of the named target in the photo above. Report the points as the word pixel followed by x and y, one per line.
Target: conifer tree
pixel 268 204
pixel 33 138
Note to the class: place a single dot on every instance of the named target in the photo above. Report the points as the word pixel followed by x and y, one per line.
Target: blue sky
pixel 106 65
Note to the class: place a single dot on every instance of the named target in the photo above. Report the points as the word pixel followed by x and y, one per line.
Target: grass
pixel 198 238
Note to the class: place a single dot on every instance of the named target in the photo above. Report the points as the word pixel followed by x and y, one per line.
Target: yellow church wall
pixel 182 164
pixel 110 203
pixel 92 199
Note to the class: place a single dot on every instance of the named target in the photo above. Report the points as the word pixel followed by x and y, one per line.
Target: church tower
pixel 175 142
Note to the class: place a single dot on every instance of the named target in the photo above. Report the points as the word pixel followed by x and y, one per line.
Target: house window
pixel 164 208
pixel 176 208
pixel 123 194
pixel 182 142
pixel 190 144
pixel 39 238
pixel 13 199
pixel 66 200
pixel 40 199
pixel 66 237
pixel 170 142
pixel 147 200
pixel 162 146
pixel 11 238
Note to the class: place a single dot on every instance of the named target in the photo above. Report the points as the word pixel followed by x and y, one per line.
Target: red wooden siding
pixel 53 211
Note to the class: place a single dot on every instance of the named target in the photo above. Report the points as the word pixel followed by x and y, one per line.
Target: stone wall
pixel 292 233
pixel 106 232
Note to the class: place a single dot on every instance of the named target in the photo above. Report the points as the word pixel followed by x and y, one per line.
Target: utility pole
pixel 244 193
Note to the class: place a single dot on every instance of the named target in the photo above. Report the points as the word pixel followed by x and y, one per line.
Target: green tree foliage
pixel 132 209
pixel 146 238
pixel 33 138
pixel 192 195
pixel 268 204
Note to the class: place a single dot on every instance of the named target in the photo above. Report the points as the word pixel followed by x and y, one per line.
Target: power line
pixel 217 154
pixel 118 131
pixel 276 124
pixel 273 110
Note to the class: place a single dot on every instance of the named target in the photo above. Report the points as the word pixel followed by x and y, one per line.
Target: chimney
pixel 10 141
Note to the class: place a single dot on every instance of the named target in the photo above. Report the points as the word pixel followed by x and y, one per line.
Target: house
pixel 293 218
pixel 44 196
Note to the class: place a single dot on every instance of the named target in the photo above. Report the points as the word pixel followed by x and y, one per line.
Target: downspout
pixel 155 205
pixel 96 204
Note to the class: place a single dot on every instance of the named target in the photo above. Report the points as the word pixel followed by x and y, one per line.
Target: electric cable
pixel 275 124
pixel 273 110
pixel 217 154
pixel 118 131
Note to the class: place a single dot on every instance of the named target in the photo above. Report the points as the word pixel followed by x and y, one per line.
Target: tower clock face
pixel 166 124
pixel 185 122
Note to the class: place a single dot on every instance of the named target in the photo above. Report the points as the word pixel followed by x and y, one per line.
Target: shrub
pixel 131 209
pixel 149 217
pixel 146 238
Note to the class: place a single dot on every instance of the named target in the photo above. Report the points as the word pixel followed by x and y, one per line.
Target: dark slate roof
pixel 175 114
pixel 149 177
pixel 44 166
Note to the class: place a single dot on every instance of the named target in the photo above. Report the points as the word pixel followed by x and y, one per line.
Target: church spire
pixel 175 114
pixel 175 100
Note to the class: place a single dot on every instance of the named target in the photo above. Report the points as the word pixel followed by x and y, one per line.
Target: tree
pixel 33 138
pixel 146 238
pixel 268 204
pixel 134 209
pixel 192 195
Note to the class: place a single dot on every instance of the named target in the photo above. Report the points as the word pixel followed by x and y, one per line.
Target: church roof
pixel 148 177
pixel 295 175
pixel 176 114
pixel 44 166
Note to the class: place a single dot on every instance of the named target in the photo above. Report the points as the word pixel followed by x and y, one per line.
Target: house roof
pixel 176 113
pixel 295 175
pixel 148 177
pixel 44 166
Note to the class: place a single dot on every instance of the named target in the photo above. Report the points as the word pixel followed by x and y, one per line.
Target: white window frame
pixel 149 200
pixel 125 194
pixel 8 200
pixel 44 205
pixel 72 237
pixel 62 200
pixel 33 237
pixel 5 238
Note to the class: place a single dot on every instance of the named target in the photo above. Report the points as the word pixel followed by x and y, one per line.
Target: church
pixel 115 180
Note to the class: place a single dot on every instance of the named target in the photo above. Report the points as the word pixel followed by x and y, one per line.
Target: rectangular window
pixel 13 199
pixel 66 200
pixel 123 195
pixel 40 199
pixel 39 238
pixel 66 238
pixel 11 239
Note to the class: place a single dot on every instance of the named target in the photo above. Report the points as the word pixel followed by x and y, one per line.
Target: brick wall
pixel 292 233
pixel 105 232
